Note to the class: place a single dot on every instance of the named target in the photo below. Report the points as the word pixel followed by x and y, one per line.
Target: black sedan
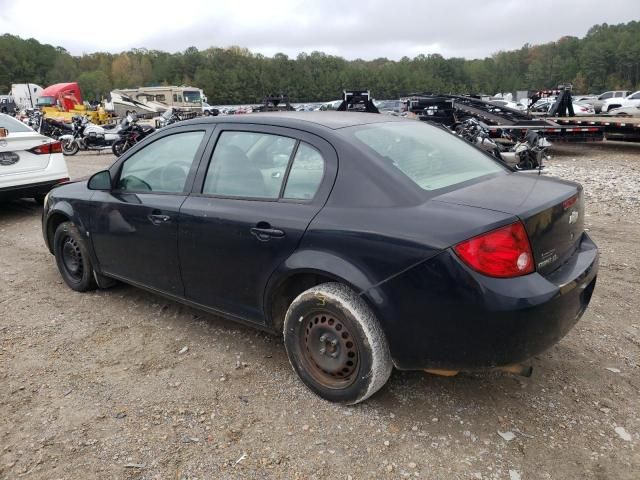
pixel 369 241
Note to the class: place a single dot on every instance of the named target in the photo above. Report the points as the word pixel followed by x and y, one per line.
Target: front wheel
pixel 70 147
pixel 336 345
pixel 72 258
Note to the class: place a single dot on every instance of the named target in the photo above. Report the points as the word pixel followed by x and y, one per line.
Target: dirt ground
pixel 99 385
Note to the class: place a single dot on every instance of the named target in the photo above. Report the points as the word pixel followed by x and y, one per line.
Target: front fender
pixel 66 137
pixel 60 208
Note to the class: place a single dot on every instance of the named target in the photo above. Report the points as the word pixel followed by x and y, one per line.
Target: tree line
pixel 608 57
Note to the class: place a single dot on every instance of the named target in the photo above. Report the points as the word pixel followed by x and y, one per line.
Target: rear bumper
pixel 29 190
pixel 441 314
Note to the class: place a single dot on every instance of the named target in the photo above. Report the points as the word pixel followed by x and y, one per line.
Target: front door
pixel 252 203
pixel 134 227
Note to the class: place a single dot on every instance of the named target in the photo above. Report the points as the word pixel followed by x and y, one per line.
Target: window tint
pixel 635 97
pixel 246 164
pixel 606 95
pixel 161 166
pixel 432 158
pixel 305 174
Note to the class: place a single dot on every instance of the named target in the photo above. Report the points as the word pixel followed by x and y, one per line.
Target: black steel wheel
pixel 329 352
pixel 72 258
pixel 336 345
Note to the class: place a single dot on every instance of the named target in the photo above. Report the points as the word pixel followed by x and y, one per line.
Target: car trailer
pixel 615 128
pixel 357 101
pixel 448 109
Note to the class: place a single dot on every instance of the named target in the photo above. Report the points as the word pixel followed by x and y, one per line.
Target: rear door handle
pixel 266 233
pixel 159 219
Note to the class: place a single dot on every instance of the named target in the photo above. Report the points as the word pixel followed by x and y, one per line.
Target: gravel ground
pixel 127 385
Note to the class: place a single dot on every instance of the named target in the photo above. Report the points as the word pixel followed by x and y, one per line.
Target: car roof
pixel 331 120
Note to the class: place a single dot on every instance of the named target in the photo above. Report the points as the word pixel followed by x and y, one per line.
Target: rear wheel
pixel 335 344
pixel 72 258
pixel 119 147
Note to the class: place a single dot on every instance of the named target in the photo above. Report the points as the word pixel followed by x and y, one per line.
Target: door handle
pixel 159 219
pixel 265 233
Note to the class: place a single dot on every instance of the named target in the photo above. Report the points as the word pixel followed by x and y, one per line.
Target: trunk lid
pixel 15 157
pixel 552 211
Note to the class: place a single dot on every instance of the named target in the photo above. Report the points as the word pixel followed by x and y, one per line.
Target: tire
pixel 336 345
pixel 207 113
pixel 119 147
pixel 72 258
pixel 70 147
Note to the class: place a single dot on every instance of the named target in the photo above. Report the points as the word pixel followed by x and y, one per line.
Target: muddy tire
pixel 336 345
pixel 72 258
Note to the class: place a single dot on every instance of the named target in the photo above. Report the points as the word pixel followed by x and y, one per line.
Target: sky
pixel 364 29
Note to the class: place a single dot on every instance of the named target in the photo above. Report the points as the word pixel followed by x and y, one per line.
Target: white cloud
pixel 366 29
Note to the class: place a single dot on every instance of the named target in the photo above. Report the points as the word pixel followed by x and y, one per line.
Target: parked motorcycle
pixel 169 117
pixel 477 133
pixel 89 136
pixel 130 134
pixel 526 153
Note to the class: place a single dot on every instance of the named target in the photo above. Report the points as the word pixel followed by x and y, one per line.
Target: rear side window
pixel 430 157
pixel 161 166
pixel 12 125
pixel 305 175
pixel 249 165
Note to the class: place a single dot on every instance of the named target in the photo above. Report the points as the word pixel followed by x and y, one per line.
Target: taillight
pixel 502 253
pixel 47 148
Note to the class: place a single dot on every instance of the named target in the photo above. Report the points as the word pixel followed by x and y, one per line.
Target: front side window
pixel 635 96
pixel 605 95
pixel 161 166
pixel 430 157
pixel 248 164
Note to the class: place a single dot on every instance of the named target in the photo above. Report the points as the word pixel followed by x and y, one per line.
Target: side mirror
pixel 100 181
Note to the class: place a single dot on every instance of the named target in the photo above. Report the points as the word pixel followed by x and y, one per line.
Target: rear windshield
pixel 12 125
pixel 431 157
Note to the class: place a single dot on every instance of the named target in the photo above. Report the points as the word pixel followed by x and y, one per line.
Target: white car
pixel 209 110
pixel 498 102
pixel 632 100
pixel 579 109
pixel 30 163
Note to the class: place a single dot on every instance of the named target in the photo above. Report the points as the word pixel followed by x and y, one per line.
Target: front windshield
pixel 429 156
pixel 12 125
pixel 46 101
pixel 191 96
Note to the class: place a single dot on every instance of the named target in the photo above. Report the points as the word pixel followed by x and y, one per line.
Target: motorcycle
pixel 526 154
pixel 169 117
pixel 130 134
pixel 477 133
pixel 89 136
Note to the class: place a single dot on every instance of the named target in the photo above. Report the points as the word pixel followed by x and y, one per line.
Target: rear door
pixel 251 205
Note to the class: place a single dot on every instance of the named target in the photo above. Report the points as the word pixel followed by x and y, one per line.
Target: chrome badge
pixel 573 217
pixel 8 158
